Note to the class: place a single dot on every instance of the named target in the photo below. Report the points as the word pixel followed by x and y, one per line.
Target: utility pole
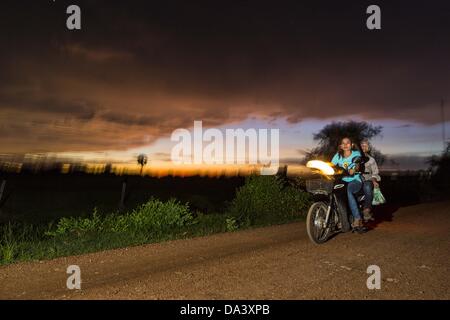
pixel 443 125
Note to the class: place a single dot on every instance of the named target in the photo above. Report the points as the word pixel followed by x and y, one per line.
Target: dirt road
pixel 411 245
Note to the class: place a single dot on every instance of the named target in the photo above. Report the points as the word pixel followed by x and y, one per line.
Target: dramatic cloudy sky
pixel 139 69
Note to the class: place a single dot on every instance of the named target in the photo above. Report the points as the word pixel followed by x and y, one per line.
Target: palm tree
pixel 142 160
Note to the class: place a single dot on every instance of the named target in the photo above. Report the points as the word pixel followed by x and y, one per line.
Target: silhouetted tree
pixel 142 160
pixel 330 136
pixel 108 168
pixel 440 165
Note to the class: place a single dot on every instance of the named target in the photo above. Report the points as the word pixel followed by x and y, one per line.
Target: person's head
pixel 345 145
pixel 365 146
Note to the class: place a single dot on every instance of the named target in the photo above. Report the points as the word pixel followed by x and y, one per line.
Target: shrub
pixel 77 225
pixel 154 215
pixel 159 215
pixel 265 197
pixel 231 224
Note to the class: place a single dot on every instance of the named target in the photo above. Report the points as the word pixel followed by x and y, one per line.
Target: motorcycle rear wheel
pixel 315 223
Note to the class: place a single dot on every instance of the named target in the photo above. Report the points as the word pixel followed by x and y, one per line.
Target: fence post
pixel 122 196
pixel 2 189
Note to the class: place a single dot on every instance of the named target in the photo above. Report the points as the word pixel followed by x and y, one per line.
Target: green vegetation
pixel 263 200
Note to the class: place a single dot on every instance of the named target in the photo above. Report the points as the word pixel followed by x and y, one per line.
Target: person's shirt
pixel 371 169
pixel 347 163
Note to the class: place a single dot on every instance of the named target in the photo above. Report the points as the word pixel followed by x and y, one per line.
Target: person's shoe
pixel 358 226
pixel 360 230
pixel 367 215
pixel 357 223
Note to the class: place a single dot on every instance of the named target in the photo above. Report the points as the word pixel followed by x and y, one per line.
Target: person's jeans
pixel 368 194
pixel 352 188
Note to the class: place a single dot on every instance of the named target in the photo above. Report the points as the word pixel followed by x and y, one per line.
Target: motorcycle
pixel 329 215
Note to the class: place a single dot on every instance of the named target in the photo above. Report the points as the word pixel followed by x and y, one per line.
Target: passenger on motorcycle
pixel 371 178
pixel 344 159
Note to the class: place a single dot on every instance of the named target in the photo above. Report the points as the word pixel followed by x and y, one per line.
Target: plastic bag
pixel 378 197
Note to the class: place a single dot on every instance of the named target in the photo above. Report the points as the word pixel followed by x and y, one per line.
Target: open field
pixel 261 201
pixel 44 197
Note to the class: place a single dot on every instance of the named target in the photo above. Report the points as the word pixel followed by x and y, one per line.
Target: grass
pixel 261 201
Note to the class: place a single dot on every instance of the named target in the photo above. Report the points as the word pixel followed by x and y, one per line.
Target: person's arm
pixel 375 172
pixel 335 159
pixel 354 167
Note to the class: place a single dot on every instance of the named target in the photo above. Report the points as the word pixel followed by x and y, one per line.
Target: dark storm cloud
pixel 128 119
pixel 403 126
pixel 25 101
pixel 143 67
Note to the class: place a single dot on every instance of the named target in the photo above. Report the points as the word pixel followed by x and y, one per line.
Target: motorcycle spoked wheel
pixel 315 223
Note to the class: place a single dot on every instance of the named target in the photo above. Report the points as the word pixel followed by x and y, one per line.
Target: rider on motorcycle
pixel 344 159
pixel 371 178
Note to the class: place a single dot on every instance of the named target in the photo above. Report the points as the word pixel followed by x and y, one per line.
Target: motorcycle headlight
pixel 324 167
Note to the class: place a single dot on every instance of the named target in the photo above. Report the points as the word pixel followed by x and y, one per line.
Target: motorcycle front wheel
pixel 317 231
